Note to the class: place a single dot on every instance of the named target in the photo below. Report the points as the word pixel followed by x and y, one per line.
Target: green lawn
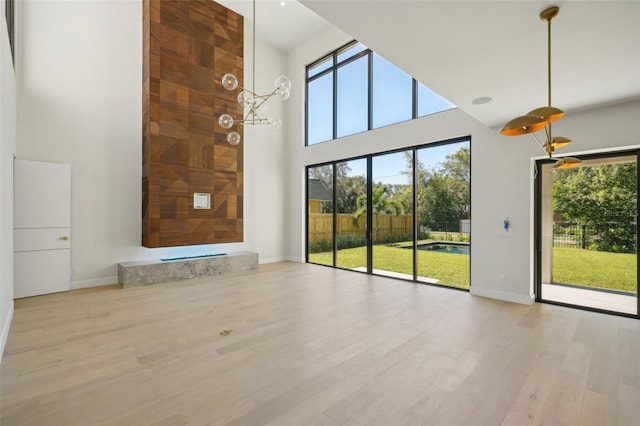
pixel 450 269
pixel 570 266
pixel 616 271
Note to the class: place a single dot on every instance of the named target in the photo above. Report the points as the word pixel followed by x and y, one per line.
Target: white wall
pixel 7 148
pixel 501 167
pixel 80 102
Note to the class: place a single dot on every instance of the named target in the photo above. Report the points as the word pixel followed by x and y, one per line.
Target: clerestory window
pixel 353 89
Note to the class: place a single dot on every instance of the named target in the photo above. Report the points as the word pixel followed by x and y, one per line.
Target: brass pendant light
pixel 541 118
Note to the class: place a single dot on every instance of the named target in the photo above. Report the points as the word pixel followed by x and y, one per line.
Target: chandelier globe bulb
pixel 229 81
pixel 234 138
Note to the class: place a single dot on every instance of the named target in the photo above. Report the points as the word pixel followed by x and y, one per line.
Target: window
pixel 392 93
pixel 320 107
pixel 353 92
pixel 353 89
pixel 404 213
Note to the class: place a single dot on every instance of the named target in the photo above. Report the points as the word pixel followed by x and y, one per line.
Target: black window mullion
pixel 306 214
pixel 414 100
pixel 369 233
pixel 370 94
pixel 637 239
pixel 416 228
pixel 352 58
pixel 334 242
pixel 319 75
pixel 335 95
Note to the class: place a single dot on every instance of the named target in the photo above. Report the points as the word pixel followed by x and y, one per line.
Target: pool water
pixel 446 248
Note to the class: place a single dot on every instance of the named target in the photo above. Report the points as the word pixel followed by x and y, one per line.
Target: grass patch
pixel 613 271
pixel 600 269
pixel 450 269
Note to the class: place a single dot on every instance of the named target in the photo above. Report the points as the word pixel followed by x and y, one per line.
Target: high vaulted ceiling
pixel 283 23
pixel 465 50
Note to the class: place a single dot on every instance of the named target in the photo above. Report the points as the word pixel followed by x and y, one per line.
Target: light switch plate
pixel 201 200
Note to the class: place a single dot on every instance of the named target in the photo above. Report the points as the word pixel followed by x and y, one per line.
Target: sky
pixel 391 97
pixel 387 168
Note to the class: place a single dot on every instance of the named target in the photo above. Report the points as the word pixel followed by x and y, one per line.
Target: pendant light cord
pixel 253 64
pixel 548 127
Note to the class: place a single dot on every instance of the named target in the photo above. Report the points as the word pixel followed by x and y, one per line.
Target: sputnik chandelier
pixel 249 99
pixel 541 118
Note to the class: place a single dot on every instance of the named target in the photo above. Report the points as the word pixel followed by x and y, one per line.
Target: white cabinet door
pixel 42 228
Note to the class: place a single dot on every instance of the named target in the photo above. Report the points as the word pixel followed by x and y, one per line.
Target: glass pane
pixel 351 51
pixel 392 93
pixel 443 200
pixel 392 212
pixel 320 205
pixel 589 234
pixel 320 109
pixel 317 68
pixel 353 97
pixel 429 102
pixel 351 199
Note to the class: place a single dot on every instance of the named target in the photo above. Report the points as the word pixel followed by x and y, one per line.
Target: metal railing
pixel 608 236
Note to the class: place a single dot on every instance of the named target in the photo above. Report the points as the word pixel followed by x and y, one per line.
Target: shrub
pixel 320 246
pixel 351 242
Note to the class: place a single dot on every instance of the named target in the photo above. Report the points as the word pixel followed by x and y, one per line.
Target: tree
pixel 444 192
pixel 381 203
pixel 591 194
pixel 603 197
pixel 348 190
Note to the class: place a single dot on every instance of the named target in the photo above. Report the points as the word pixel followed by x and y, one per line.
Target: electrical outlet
pixel 76 270
pixel 502 278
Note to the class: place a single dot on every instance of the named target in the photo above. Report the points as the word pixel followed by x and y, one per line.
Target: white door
pixel 42 228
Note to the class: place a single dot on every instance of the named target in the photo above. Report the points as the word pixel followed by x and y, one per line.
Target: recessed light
pixel 482 100
pixel 282 3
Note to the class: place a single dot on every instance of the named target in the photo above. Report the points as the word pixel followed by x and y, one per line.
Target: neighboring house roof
pixel 317 191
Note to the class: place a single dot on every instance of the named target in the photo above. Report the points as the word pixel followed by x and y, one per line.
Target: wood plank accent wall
pixel 188 45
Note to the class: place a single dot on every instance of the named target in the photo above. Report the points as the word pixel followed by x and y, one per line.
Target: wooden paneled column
pixel 188 45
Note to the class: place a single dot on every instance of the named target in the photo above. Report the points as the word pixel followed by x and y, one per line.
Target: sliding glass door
pixel 351 226
pixel 443 182
pixel 392 214
pixel 320 208
pixel 588 233
pixel 403 214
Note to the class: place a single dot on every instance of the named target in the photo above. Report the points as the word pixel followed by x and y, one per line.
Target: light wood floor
pixel 311 345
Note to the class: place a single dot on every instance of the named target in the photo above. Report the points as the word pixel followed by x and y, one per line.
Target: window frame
pixel 369 183
pixel 332 58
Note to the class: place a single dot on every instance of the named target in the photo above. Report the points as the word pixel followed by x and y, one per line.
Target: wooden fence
pixel 385 226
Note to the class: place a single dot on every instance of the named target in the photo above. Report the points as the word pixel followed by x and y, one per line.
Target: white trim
pixel 271 260
pixel 295 259
pixel 93 282
pixel 503 295
pixel 5 330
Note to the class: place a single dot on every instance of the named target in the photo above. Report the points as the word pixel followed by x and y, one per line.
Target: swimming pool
pixel 452 248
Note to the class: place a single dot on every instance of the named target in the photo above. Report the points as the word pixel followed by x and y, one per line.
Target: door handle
pixel 65 238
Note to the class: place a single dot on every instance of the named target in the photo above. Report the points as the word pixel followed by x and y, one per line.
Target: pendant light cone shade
pixel 567 163
pixel 550 114
pixel 523 125
pixel 560 141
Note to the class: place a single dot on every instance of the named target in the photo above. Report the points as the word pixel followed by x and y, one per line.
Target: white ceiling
pixel 282 26
pixel 469 49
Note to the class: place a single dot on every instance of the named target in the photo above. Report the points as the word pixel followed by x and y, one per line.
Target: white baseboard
pixel 93 282
pixel 522 299
pixel 263 261
pixel 295 259
pixel 5 330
